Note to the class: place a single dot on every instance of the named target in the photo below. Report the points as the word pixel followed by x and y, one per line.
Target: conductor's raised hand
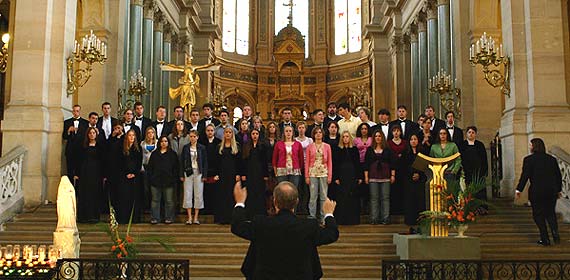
pixel 240 194
pixel 329 206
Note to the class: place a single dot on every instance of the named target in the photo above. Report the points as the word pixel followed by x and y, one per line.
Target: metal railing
pixel 496 164
pixel 138 269
pixel 476 270
pixel 563 204
pixel 11 192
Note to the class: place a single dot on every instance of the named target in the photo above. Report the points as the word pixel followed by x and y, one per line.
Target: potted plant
pixel 460 204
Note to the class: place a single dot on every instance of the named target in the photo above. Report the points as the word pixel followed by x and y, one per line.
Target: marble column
pixel 400 84
pixel 147 40
pixel 37 102
pixel 415 107
pixel 135 36
pixel 166 49
pixel 538 104
pixel 433 61
pixel 423 61
pixel 156 58
pixel 444 33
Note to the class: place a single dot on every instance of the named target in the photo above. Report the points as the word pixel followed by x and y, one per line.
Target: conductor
pixel 283 246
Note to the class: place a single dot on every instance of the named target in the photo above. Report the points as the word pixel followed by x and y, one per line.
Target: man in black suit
pixel 436 124
pixel 106 121
pixel 92 122
pixel 318 121
pixel 195 121
pixel 141 121
pixel 545 188
pixel 331 114
pixel 455 132
pixel 160 123
pixel 74 130
pixel 383 123
pixel 178 115
pixel 208 111
pixel 129 124
pixel 408 127
pixel 286 116
pixel 247 114
pixel 283 246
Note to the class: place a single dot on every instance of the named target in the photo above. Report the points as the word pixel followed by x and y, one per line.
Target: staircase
pixel 507 234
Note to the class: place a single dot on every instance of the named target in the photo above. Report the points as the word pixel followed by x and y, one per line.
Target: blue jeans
pixel 157 194
pixel 295 179
pixel 379 202
pixel 318 189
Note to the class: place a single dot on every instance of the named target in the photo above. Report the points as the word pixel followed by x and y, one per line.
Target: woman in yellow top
pixel 443 149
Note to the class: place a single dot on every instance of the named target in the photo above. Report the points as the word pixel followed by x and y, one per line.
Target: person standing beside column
pixel 73 132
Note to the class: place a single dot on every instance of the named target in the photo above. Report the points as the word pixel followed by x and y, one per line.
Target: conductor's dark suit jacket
pixel 283 246
pixel 544 174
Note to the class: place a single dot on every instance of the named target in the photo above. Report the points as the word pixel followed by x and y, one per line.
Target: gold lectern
pixel 437 187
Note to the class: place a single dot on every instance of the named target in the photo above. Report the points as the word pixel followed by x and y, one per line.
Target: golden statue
pixel 189 82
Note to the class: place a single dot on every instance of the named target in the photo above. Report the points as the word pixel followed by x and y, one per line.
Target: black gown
pixel 130 191
pixel 331 192
pixel 90 184
pixel 474 161
pixel 228 169
pixel 112 170
pixel 254 167
pixel 414 191
pixel 346 168
pixel 210 185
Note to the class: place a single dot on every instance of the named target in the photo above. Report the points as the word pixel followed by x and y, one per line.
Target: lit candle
pixel 18 263
pixel 501 50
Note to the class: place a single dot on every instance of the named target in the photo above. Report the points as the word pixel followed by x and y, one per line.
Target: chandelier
pixel 4 53
pixel 90 50
pixel 443 85
pixel 137 88
pixel 486 53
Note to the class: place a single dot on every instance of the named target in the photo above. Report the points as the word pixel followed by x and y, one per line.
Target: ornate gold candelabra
pixel 443 85
pixel 4 53
pixel 217 98
pixel 137 88
pixel 486 53
pixel 91 50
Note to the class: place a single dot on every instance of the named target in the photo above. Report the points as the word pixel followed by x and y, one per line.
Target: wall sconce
pixel 91 50
pixel 4 53
pixel 450 97
pixel 486 53
pixel 137 88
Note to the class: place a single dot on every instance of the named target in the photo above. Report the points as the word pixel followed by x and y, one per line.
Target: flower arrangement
pixel 124 246
pixel 460 204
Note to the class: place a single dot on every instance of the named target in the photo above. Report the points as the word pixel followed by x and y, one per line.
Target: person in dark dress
pixel 545 188
pixel 254 173
pixel 474 157
pixel 227 175
pixel 210 184
pixel 332 137
pixel 90 179
pixel 347 175
pixel 242 136
pixel 130 190
pixel 398 146
pixel 414 185
pixel 271 137
pixel 113 163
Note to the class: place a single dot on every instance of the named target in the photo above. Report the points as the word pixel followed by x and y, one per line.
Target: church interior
pixel 500 65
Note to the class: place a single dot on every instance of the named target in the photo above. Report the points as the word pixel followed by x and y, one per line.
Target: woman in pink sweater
pixel 288 158
pixel 318 172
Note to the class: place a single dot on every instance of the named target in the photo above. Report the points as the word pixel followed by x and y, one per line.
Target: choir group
pixel 137 164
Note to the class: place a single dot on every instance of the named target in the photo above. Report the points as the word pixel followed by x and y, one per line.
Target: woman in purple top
pixel 379 173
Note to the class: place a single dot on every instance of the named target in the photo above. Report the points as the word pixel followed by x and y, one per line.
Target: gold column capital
pixel 158 21
pixel 430 7
pixel 137 2
pixel 149 9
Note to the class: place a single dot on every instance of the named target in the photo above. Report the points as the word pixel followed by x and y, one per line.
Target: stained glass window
pixel 348 26
pixel 235 36
pixel 300 18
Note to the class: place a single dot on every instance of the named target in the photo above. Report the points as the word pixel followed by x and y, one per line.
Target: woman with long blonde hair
pixel 347 175
pixel 227 174
pixel 148 145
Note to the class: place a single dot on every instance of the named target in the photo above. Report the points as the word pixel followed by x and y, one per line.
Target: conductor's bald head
pixel 286 196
